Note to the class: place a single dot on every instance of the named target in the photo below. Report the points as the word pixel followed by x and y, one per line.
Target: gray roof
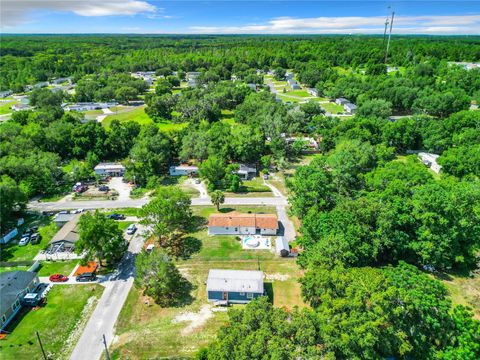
pixel 351 106
pixel 246 169
pixel 281 244
pixel 68 232
pixel 235 280
pixel 11 284
pixel 63 217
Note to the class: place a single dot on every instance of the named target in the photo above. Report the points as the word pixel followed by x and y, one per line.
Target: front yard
pixel 60 323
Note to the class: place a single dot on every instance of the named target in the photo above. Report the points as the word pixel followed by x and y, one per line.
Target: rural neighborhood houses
pixel 246 172
pixel 234 286
pixel 14 285
pixel 242 224
pixel 313 92
pixel 349 107
pixel 64 240
pixel 293 84
pixel 183 170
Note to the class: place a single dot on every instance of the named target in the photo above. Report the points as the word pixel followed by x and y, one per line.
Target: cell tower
pixel 387 21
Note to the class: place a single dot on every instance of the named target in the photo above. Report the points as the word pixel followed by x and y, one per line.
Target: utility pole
pixel 41 346
pixel 389 36
pixel 106 347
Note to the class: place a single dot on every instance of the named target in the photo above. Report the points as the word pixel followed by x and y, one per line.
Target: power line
pixel 389 36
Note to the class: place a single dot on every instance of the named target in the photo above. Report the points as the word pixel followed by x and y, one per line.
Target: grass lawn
pixel 138 193
pixel 147 331
pixel 228 117
pixel 13 252
pixel 332 108
pixel 123 225
pixel 137 115
pixel 168 126
pixel 286 98
pixel 5 107
pixel 59 323
pixel 57 267
pixel 299 93
pixel 464 291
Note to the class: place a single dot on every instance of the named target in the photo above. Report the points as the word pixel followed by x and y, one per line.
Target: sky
pixel 238 17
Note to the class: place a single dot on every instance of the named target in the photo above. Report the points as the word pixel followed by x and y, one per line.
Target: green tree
pixel 218 198
pixel 160 279
pixel 163 87
pixel 279 73
pixel 125 94
pixel 100 238
pixel 213 170
pixel 375 108
pixel 13 199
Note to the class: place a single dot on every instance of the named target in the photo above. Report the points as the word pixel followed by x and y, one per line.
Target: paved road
pixel 118 204
pixel 102 322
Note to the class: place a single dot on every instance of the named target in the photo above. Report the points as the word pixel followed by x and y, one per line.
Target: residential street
pixel 102 322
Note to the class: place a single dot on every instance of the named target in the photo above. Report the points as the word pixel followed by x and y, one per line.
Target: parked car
pixel 86 277
pixel 64 212
pixel 131 229
pixel 197 181
pixel 116 217
pixel 103 188
pixel 24 240
pixel 28 232
pixel 58 278
pixel 35 238
pixel 265 176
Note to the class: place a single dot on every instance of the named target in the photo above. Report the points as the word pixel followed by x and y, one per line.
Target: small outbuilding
pixel 109 169
pixel 234 286
pixel 281 246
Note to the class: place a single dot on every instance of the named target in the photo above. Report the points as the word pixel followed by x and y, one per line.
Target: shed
pixel 234 286
pixel 281 246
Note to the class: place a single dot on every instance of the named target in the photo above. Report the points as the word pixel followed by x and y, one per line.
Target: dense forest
pixel 375 222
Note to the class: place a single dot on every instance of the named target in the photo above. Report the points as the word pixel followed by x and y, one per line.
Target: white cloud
pixel 15 12
pixel 462 24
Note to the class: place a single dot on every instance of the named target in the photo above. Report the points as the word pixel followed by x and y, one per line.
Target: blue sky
pixel 238 17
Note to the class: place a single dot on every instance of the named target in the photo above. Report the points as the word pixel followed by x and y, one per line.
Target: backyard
pixel 59 323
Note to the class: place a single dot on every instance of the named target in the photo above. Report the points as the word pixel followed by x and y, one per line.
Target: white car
pixel 24 241
pixel 131 229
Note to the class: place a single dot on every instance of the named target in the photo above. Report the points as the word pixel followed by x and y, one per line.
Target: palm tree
pixel 218 197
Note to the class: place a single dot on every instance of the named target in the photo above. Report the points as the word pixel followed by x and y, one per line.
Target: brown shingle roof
pixel 234 219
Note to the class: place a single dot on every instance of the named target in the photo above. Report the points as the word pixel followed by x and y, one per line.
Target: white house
pixel 235 223
pixel 109 169
pixel 341 101
pixel 313 91
pixel 246 172
pixel 20 107
pixel 293 84
pixel 430 160
pixel 281 246
pixel 182 170
pixel 350 108
pixel 86 106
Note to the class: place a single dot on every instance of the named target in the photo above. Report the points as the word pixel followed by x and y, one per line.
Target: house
pixel 235 223
pixel 64 240
pixel 430 160
pixel 62 219
pixel 310 144
pixel 14 285
pixel 109 169
pixel 252 86
pixel 61 80
pixel 40 85
pixel 86 106
pixel 313 91
pixel 246 172
pixel 20 107
pixel 341 101
pixel 293 84
pixel 234 286
pixel 281 246
pixel 4 94
pixel 350 108
pixel 192 78
pixel 183 170
pixel 288 75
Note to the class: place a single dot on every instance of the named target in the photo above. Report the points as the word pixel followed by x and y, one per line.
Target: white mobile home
pixel 183 170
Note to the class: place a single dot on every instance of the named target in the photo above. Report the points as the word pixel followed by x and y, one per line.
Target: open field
pixel 464 291
pixel 5 106
pixel 59 324
pixel 145 330
pixel 137 115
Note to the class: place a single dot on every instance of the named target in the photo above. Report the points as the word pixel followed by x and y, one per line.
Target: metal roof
pixel 68 232
pixel 235 280
pixel 109 166
pixel 11 284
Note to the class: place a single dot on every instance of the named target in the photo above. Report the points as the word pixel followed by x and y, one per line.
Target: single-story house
pixel 86 106
pixel 246 172
pixel 293 84
pixel 341 101
pixel 40 85
pixel 66 237
pixel 313 91
pixel 13 287
pixel 235 223
pixel 288 75
pixel 234 286
pixel 192 78
pixel 61 80
pixel 281 246
pixel 350 108
pixel 109 169
pixel 20 107
pixel 430 160
pixel 5 93
pixel 62 219
pixel 182 170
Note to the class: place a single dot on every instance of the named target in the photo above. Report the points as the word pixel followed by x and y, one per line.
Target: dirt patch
pixel 277 277
pixel 196 319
